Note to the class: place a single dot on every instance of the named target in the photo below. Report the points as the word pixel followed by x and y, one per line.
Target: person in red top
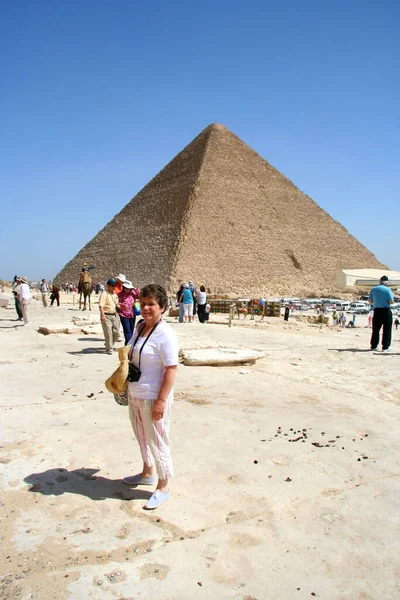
pixel 126 299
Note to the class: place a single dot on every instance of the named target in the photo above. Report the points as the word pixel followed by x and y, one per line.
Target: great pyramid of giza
pixel 221 215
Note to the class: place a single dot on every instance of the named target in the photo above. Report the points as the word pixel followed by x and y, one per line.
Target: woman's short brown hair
pixel 153 290
pixel 202 288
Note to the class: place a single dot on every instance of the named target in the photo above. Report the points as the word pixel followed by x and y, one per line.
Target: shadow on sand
pixel 391 353
pixel 11 320
pixel 59 481
pixel 349 350
pixel 13 324
pixel 88 351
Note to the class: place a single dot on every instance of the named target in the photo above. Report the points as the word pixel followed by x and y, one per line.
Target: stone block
pixel 220 357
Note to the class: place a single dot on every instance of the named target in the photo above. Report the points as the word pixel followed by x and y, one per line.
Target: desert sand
pixel 287 471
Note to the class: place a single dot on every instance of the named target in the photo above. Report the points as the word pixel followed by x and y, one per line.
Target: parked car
pixel 342 305
pixel 305 306
pixel 396 308
pixel 360 308
pixel 311 302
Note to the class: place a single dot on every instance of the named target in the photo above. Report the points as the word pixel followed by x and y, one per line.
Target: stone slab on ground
pixel 313 319
pixel 86 320
pixel 50 329
pixel 92 329
pixel 3 302
pixel 220 356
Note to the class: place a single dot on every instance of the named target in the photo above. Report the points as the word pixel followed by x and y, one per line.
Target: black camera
pixel 134 373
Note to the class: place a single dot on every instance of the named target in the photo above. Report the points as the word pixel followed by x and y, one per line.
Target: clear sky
pixel 97 96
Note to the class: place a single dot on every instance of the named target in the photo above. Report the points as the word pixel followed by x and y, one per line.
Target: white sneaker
pixel 387 349
pixel 156 500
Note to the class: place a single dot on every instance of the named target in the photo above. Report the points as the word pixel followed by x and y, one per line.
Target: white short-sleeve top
pixel 161 350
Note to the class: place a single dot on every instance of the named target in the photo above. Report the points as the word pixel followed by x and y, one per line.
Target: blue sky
pixel 97 96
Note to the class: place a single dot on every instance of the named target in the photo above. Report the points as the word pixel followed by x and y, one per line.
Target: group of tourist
pixel 190 302
pixel 22 296
pixel 118 304
pixel 71 288
pixel 339 320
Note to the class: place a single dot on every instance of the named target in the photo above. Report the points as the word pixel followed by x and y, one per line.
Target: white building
pixel 366 278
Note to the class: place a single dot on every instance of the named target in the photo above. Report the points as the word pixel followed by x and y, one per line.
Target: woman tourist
pixel 187 300
pixel 201 299
pixel 152 370
pixel 126 299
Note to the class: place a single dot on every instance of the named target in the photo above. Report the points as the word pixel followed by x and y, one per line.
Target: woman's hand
pixel 158 409
pixel 160 404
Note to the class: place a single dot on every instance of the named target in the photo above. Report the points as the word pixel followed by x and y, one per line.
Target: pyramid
pixel 221 215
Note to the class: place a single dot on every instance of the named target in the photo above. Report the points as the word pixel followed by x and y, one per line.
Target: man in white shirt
pixel 25 297
pixel 44 289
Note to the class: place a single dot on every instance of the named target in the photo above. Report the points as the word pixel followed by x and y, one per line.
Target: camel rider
pixel 87 267
pixel 84 278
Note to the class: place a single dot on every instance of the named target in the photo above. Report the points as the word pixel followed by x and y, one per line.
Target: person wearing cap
pixel 108 304
pixel 381 297
pixel 16 287
pixel 25 297
pixel 126 299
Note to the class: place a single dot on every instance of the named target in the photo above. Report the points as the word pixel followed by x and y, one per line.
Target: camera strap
pixel 144 343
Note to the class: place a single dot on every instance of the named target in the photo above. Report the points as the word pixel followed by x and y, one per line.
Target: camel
pixel 85 288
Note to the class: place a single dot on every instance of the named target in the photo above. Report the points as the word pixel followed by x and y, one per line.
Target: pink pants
pixel 152 435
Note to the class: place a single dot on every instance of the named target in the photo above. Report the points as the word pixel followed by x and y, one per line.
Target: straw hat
pixel 24 279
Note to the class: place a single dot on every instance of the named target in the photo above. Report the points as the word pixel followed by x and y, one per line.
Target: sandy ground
pixel 287 474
